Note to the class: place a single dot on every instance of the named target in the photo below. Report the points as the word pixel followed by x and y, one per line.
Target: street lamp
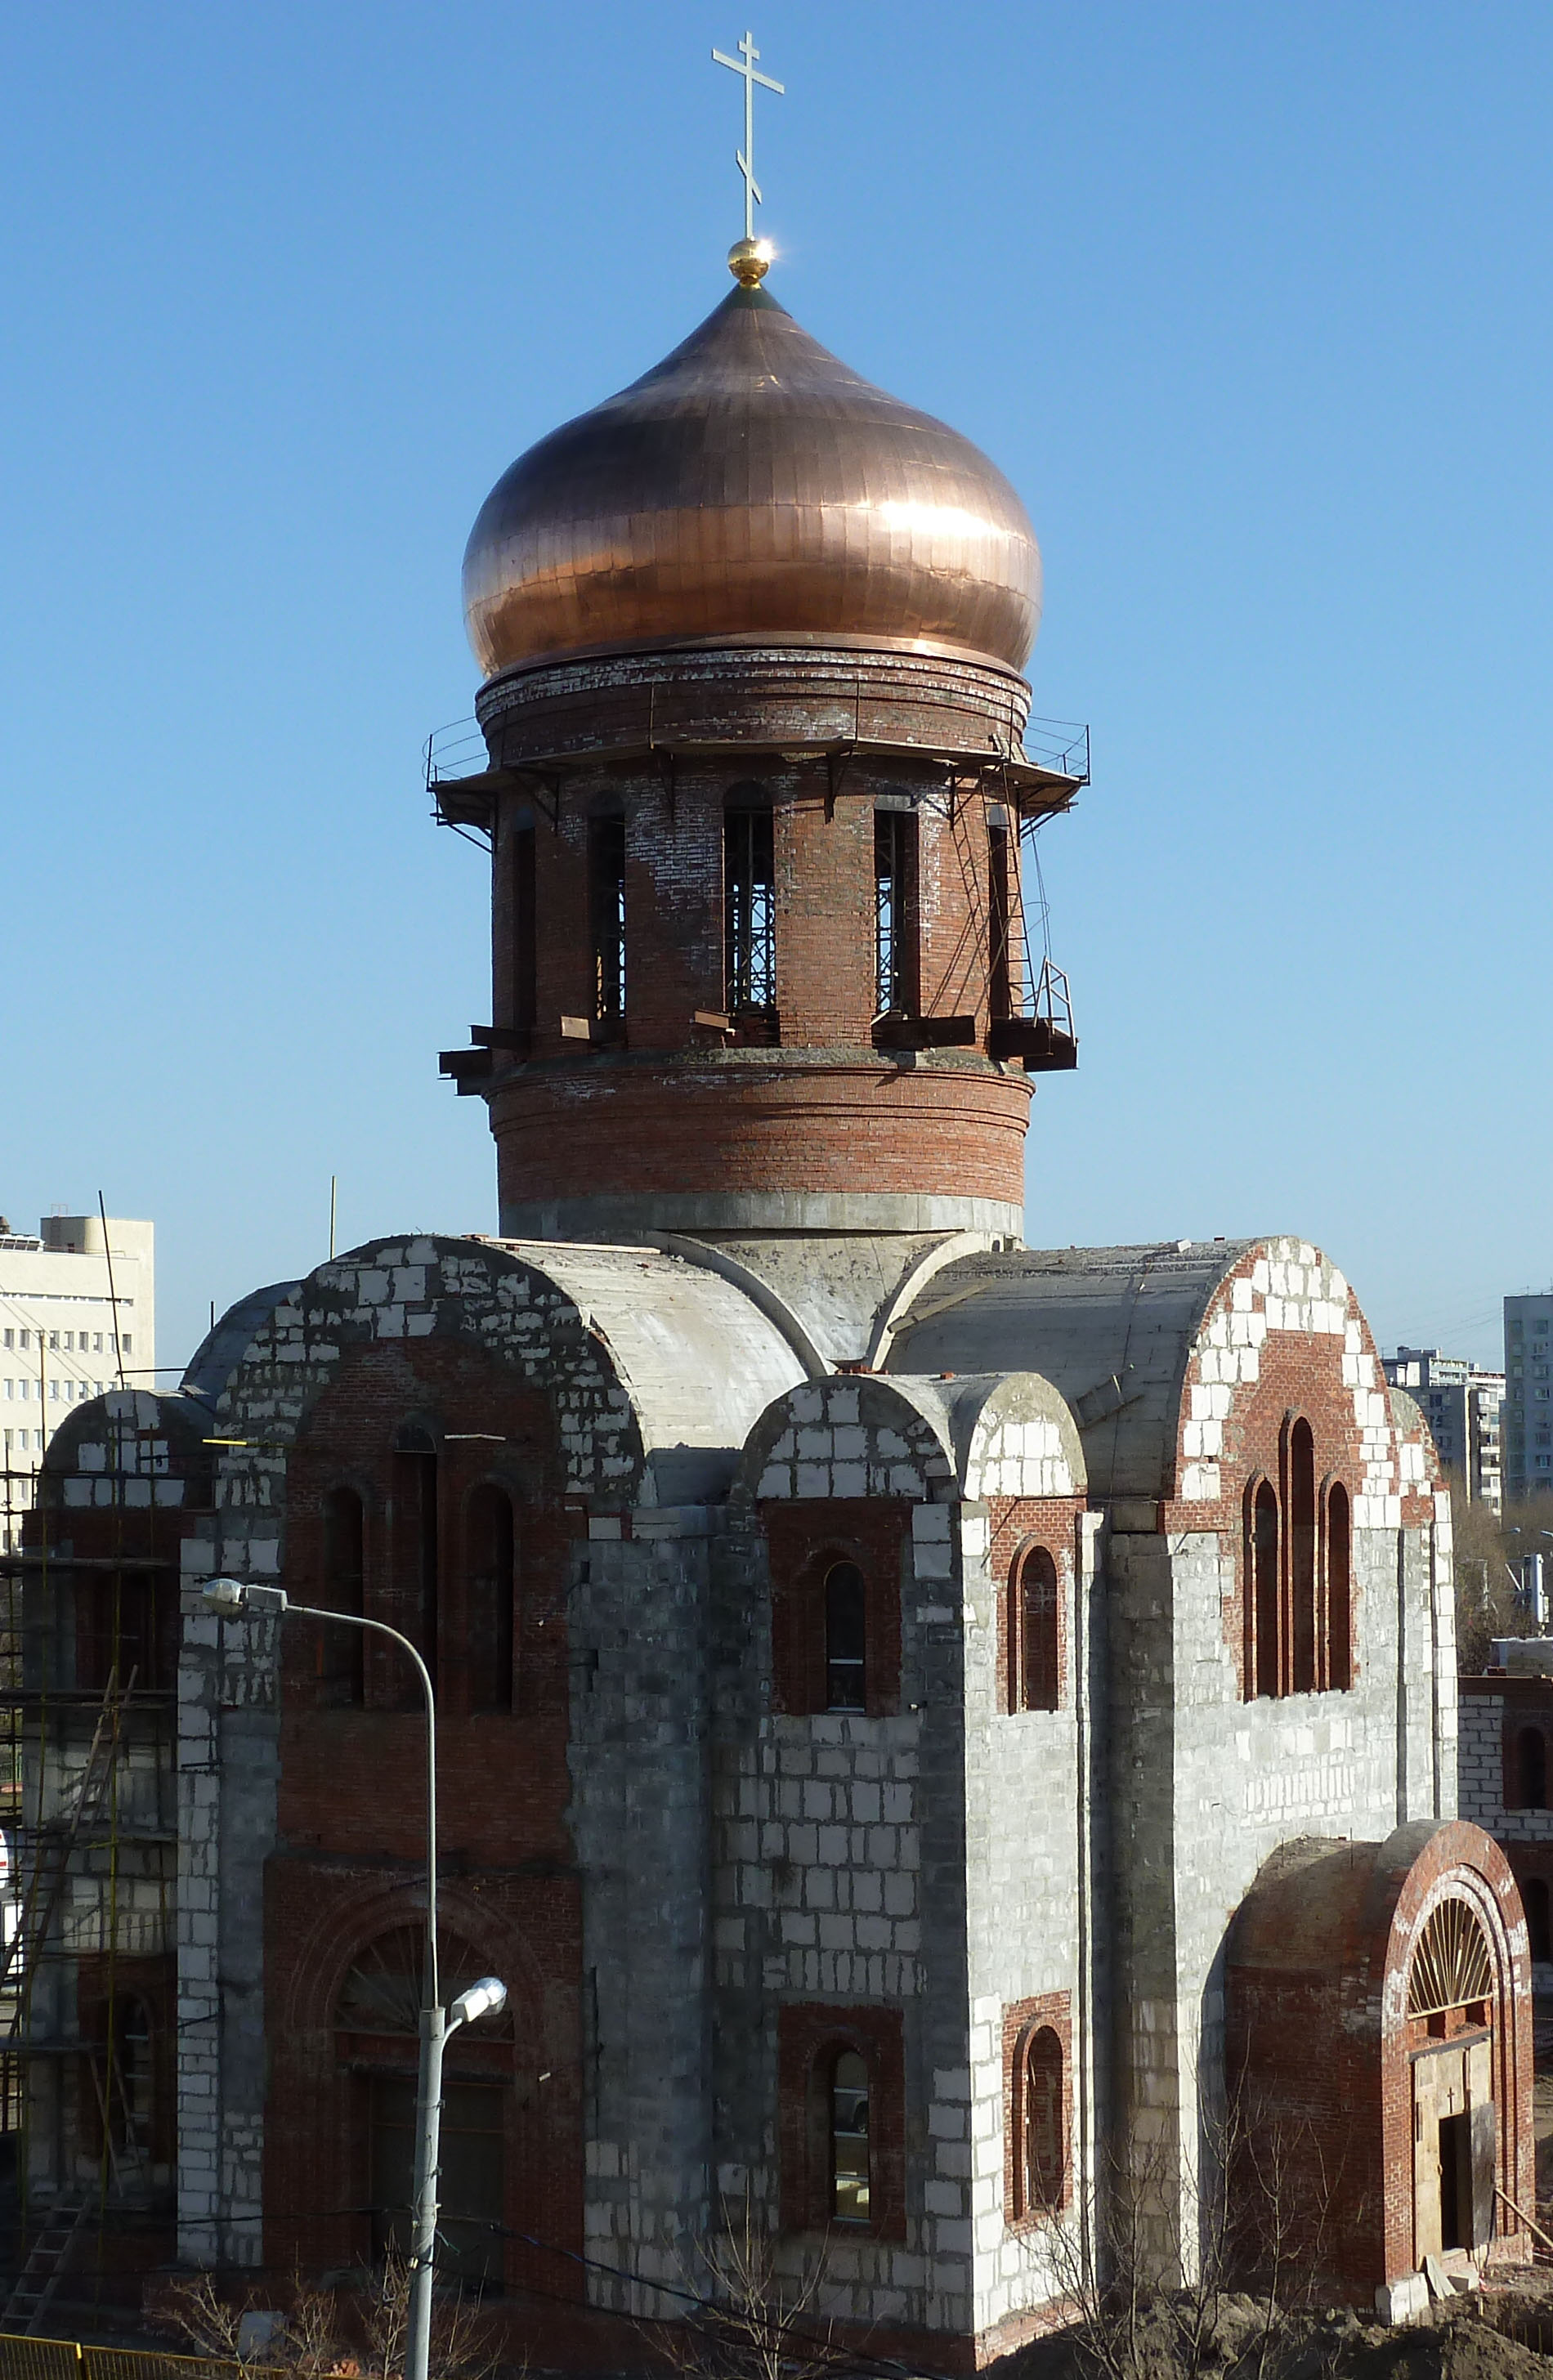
pixel 234 1598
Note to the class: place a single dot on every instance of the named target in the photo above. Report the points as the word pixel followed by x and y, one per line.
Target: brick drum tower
pixel 753 634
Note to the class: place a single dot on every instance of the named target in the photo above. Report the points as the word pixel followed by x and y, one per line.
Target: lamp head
pixel 233 1599
pixel 488 1997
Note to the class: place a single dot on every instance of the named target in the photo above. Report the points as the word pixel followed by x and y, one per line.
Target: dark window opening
pixel 1455 2181
pixel 1532 1767
pixel 491 1588
pixel 525 958
pixel 1044 2148
pixel 1540 1931
pixel 896 952
pixel 606 903
pixel 469 2224
pixel 415 1536
pixel 122 2078
pixel 340 1650
pixel 845 1638
pixel 1036 1645
pixel 850 2192
pixel 126 1633
pixel 749 909
pixel 999 955
pixel 1263 1566
pixel 1302 1557
pixel 1340 1589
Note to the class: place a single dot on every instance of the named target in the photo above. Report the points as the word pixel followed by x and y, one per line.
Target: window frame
pixel 1017 1630
pixel 1025 2025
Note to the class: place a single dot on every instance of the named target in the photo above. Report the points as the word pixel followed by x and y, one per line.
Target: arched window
pixel 850 2193
pixel 1043 2149
pixel 523 979
pixel 896 964
pixel 340 1650
pixel 1301 1558
pixel 415 1555
pixel 1000 955
pixel 1034 1643
pixel 749 904
pixel 1531 1768
pixel 1263 1667
pixel 490 1586
pixel 377 2021
pixel 1340 1587
pixel 606 915
pixel 845 1638
pixel 1534 1893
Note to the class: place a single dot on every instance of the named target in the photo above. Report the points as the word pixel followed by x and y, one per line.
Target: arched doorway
pixel 377 2021
pixel 1379 2054
pixel 1455 2127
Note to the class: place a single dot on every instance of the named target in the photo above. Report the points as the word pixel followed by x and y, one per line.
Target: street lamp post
pixel 232 1598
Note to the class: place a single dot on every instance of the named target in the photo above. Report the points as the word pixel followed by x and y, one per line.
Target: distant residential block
pixel 1463 1406
pixel 65 1326
pixel 1528 1408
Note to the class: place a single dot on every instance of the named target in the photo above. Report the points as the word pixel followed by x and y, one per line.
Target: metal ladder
pixel 44 2269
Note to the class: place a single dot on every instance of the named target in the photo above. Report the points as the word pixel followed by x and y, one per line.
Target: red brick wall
pixel 804 1539
pixel 352 1813
pixel 1320 2055
pixel 1022 2021
pixel 807 2038
pixel 1017 1523
pixel 954 1129
pixel 321 1916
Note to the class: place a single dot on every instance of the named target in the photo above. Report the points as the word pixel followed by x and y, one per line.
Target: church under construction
pixel 942 1738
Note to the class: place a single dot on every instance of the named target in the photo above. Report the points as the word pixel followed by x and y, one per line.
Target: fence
pixel 64 2359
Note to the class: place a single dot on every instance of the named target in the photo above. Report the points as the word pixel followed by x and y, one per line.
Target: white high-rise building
pixel 75 1310
pixel 1462 1405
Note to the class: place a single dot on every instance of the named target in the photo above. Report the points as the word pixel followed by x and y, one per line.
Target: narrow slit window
pixel 606 901
pixel 1302 1557
pixel 1263 1591
pixel 1539 1934
pixel 1037 1651
pixel 415 1532
pixel 1044 2147
pixel 490 1591
pixel 749 908
pixel 851 2194
pixel 1340 1589
pixel 845 1638
pixel 1532 1764
pixel 1000 971
pixel 898 989
pixel 340 1650
pixel 524 982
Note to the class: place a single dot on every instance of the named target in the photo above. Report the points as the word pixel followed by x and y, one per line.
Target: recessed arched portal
pixel 1379 2056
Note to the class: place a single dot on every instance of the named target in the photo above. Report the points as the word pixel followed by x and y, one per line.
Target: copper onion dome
pixel 752 486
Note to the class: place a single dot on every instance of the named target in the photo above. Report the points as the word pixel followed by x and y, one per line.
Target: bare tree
pixel 336 2334
pixel 1175 2275
pixel 750 2321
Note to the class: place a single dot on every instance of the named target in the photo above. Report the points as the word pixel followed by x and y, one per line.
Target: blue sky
pixel 1250 301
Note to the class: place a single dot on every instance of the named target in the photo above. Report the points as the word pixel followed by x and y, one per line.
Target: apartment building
pixel 1528 1409
pixel 76 1309
pixel 1463 1408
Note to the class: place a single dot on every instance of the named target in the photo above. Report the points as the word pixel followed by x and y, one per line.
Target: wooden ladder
pixel 34 2286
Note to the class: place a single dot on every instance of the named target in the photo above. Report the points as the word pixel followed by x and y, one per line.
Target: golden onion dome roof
pixel 751 485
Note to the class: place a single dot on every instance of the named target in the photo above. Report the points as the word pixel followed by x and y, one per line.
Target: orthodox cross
pixel 744 65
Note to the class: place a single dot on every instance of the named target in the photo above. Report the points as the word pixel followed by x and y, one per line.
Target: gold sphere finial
pixel 749 260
